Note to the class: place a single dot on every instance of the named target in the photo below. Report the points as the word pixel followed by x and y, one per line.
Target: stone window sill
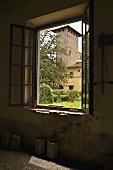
pixel 58 110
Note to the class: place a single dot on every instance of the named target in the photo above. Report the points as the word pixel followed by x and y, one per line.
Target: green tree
pixel 53 71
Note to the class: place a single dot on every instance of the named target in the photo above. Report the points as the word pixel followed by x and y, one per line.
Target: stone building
pixel 68 39
pixel 74 83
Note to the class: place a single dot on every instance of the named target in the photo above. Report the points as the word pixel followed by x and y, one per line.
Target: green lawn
pixel 76 104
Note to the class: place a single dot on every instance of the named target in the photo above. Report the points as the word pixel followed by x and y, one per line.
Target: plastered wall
pixel 103 103
pixel 82 137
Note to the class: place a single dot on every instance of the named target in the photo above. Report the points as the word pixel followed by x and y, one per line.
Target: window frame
pixel 91 73
pixel 22 66
pixel 69 52
pixel 91 42
pixel 71 73
pixel 71 86
pixel 85 61
pixel 91 23
pixel 79 70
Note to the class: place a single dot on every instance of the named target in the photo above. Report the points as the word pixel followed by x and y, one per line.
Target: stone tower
pixel 68 38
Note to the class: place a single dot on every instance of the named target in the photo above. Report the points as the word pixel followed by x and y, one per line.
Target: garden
pixel 70 98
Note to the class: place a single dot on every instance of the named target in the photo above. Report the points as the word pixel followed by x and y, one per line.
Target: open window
pixel 88 57
pixel 23 81
pixel 22 63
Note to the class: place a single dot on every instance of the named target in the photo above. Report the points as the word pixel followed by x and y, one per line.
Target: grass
pixel 75 104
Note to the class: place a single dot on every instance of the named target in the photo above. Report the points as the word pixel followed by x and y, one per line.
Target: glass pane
pixel 16 75
pixel 28 94
pixel 28 37
pixel 87 95
pixel 16 55
pixel 28 56
pixel 17 36
pixel 85 78
pixel 28 75
pixel 15 95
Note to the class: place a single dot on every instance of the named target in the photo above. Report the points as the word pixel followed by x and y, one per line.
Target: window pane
pixel 87 95
pixel 16 75
pixel 28 94
pixel 17 36
pixel 16 55
pixel 28 75
pixel 28 56
pixel 28 36
pixel 15 94
pixel 85 66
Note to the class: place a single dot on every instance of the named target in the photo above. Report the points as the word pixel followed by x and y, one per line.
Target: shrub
pixel 54 97
pixel 45 95
pixel 78 95
pixel 72 93
pixel 64 97
pixel 59 92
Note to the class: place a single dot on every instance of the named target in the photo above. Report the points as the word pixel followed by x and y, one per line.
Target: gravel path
pixel 11 160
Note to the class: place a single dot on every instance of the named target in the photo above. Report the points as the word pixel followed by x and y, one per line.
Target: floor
pixel 19 160
pixel 11 160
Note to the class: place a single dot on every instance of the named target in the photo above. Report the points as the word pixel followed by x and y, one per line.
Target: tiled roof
pixel 78 64
pixel 67 26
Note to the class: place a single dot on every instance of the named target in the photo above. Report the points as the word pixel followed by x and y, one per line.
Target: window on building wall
pixel 71 87
pixel 78 70
pixel 69 52
pixel 71 73
pixel 61 87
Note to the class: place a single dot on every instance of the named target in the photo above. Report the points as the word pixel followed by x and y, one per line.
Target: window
pixel 71 73
pixel 61 87
pixel 22 70
pixel 87 81
pixel 22 89
pixel 69 52
pixel 71 87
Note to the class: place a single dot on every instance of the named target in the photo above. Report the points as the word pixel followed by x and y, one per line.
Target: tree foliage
pixel 53 71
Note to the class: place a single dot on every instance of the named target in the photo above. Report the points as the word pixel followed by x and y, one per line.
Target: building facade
pixel 74 83
pixel 68 39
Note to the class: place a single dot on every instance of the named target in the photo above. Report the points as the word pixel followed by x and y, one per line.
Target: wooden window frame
pixel 22 66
